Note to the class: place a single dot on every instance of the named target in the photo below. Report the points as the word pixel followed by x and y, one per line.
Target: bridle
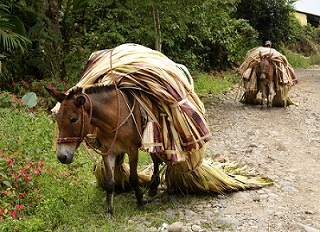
pixel 82 136
pixel 265 63
pixel 264 66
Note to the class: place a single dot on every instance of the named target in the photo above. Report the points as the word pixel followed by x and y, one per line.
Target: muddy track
pixel 282 143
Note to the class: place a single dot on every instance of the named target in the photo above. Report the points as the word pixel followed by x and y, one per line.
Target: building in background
pixel 308 11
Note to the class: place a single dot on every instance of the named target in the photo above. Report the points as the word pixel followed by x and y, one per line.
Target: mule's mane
pixel 266 56
pixel 91 90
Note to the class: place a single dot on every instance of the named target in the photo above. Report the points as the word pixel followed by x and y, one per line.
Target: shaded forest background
pixel 52 39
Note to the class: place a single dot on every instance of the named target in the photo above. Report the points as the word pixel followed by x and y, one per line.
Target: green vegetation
pixel 277 26
pixel 215 83
pixel 56 37
pixel 299 61
pixel 296 60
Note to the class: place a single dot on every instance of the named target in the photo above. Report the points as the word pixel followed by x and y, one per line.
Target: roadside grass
pixel 214 82
pixel 298 61
pixel 315 60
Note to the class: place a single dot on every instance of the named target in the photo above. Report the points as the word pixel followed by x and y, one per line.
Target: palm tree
pixel 12 31
pixel 12 35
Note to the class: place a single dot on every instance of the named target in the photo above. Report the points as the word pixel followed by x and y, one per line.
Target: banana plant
pixel 12 35
pixel 12 31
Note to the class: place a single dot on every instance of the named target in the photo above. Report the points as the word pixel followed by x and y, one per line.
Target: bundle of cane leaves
pixel 164 90
pixel 214 178
pixel 205 178
pixel 176 128
pixel 283 71
pixel 243 174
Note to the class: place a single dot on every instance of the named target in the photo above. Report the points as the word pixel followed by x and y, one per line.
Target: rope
pixel 117 128
pixel 131 114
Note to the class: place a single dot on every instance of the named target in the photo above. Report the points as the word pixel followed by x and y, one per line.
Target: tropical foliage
pixel 201 35
pixel 13 38
pixel 12 31
pixel 272 19
pixel 53 39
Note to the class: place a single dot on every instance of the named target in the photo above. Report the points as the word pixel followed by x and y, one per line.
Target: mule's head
pixel 73 122
pixel 265 65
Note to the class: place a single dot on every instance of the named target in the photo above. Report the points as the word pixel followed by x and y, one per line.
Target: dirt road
pixel 281 143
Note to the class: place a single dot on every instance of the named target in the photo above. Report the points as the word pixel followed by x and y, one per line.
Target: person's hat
pixel 268 42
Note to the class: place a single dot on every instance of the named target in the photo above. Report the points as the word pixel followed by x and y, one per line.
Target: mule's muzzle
pixel 65 153
pixel 263 76
pixel 64 159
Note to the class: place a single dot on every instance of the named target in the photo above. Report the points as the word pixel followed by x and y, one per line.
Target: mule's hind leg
pixel 133 162
pixel 109 162
pixel 268 96
pixel 155 180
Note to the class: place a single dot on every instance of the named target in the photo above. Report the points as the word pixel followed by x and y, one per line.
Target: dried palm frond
pixel 205 178
pixel 121 174
pixel 208 177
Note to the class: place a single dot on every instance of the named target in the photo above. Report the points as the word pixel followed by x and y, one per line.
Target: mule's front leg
pixel 264 96
pixel 155 177
pixel 271 94
pixel 109 162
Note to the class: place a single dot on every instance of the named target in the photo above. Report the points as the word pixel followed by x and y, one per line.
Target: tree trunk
pixel 52 12
pixel 156 24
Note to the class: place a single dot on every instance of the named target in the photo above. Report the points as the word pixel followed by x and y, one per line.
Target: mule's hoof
pixel 140 207
pixel 109 211
pixel 152 192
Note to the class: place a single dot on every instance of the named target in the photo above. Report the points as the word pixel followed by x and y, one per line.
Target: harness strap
pixel 68 140
pixel 131 114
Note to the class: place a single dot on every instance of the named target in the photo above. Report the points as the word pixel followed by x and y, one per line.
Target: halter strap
pixel 81 138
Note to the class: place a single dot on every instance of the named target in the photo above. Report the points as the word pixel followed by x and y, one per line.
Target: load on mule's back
pixel 268 72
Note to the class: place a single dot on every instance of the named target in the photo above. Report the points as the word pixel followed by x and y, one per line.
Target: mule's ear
pixel 59 96
pixel 80 100
pixel 270 56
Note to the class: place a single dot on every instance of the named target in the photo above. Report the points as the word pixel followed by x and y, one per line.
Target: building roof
pixel 308 6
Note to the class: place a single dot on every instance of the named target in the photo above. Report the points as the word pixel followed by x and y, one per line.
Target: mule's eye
pixel 73 120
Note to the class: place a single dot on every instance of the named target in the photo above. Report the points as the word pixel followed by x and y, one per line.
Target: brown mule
pixel 119 125
pixel 266 79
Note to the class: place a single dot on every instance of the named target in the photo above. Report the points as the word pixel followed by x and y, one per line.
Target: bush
pixel 18 192
pixel 296 60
